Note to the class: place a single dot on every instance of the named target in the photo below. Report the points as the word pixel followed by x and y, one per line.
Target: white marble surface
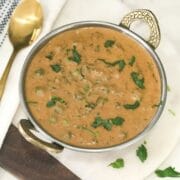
pixel 169 22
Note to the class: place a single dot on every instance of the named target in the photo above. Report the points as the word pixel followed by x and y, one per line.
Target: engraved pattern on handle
pixel 150 19
pixel 24 128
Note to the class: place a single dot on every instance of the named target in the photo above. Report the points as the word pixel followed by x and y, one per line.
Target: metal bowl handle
pixel 25 126
pixel 148 17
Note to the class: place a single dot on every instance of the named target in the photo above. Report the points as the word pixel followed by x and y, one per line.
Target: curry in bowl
pixel 92 87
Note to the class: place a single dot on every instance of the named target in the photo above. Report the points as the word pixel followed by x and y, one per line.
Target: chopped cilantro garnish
pixel 138 80
pixel 107 123
pixel 168 172
pixel 76 57
pixel 50 55
pixel 54 100
pixel 132 60
pixel 135 105
pixel 97 122
pixel 121 63
pixel 118 163
pixel 109 43
pixel 51 103
pixel 117 121
pixel 56 67
pixel 141 152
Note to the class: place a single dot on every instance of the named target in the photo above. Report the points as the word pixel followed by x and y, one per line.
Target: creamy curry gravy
pixel 92 87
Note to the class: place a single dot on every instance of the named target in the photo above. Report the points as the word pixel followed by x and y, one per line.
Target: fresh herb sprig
pixel 109 43
pixel 141 152
pixel 168 172
pixel 121 63
pixel 133 106
pixel 118 163
pixel 107 123
pixel 138 80
pixel 49 55
pixel 76 57
pixel 132 61
pixel 56 67
pixel 54 99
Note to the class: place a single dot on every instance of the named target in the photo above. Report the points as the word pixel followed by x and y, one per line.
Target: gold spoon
pixel 24 28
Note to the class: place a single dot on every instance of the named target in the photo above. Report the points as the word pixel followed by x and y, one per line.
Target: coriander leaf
pixel 109 63
pixel 137 80
pixel 118 121
pixel 76 57
pixel 135 105
pixel 119 163
pixel 51 103
pixel 109 43
pixel 132 60
pixel 141 152
pixel 54 100
pixel 121 65
pixel 168 172
pixel 58 99
pixel 56 68
pixel 107 124
pixel 50 55
pixel 97 122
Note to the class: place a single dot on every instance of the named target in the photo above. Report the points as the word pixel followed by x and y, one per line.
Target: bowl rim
pixel 104 24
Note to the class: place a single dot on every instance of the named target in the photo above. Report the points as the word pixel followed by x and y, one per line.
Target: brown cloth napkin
pixel 28 162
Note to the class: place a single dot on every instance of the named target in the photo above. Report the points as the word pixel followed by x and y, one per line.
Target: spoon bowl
pixel 24 28
pixel 25 23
